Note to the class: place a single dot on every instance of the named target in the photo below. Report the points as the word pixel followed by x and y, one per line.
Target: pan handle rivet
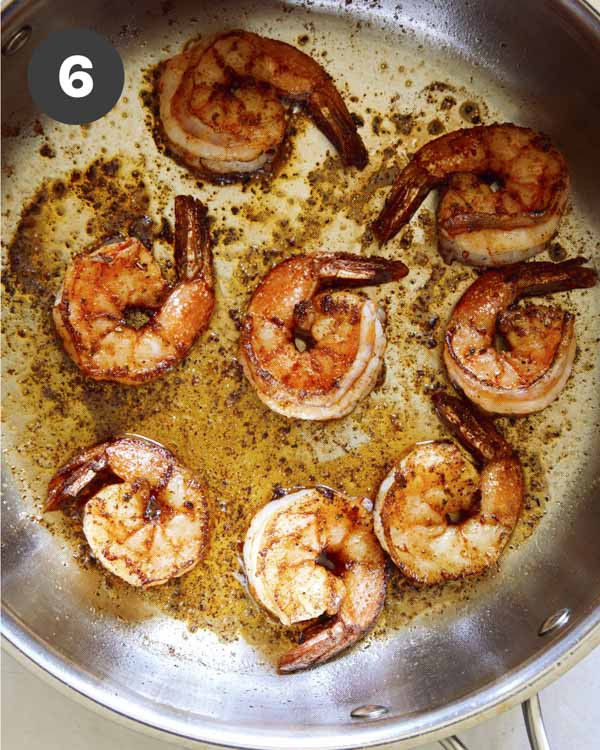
pixel 555 621
pixel 369 712
pixel 16 41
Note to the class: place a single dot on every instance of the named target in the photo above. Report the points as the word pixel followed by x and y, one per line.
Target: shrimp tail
pixel 78 477
pixel 534 279
pixel 407 194
pixel 353 270
pixel 193 254
pixel 328 111
pixel 319 648
pixel 475 431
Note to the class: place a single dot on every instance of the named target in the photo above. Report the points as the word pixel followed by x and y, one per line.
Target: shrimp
pixel 436 515
pixel 145 516
pixel 221 104
pixel 100 286
pixel 310 554
pixel 309 355
pixel 540 341
pixel 504 190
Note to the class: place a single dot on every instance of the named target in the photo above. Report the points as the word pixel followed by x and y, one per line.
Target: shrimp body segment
pixel 341 331
pixel 100 286
pixel 221 104
pixel 436 515
pixel 540 341
pixel 313 553
pixel 503 191
pixel 146 515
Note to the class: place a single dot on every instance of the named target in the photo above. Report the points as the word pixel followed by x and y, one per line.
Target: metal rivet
pixel 17 40
pixel 369 712
pixel 555 621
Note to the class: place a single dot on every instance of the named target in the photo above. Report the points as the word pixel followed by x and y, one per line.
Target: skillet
pixel 453 663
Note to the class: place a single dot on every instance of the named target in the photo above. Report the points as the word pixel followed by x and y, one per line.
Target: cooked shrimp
pixel 146 515
pixel 310 554
pixel 221 104
pixel 100 286
pixel 540 341
pixel 504 190
pixel 342 336
pixel 436 515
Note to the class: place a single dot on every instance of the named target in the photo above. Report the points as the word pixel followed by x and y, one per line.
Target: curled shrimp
pixel 145 515
pixel 540 341
pixel 311 554
pixel 221 104
pixel 504 190
pixel 100 286
pixel 436 515
pixel 342 336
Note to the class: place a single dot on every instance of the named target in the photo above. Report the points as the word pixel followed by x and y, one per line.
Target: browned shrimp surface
pixel 222 104
pixel 313 553
pixel 436 515
pixel 540 342
pixel 504 190
pixel 145 515
pixel 102 285
pixel 311 354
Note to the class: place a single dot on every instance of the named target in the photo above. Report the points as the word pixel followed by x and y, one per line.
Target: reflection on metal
pixel 555 621
pixel 369 712
pixel 18 40
pixel 534 723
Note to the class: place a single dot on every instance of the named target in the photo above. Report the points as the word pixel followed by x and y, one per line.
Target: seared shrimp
pixel 146 515
pixel 540 341
pixel 436 515
pixel 504 190
pixel 342 341
pixel 310 554
pixel 100 286
pixel 221 104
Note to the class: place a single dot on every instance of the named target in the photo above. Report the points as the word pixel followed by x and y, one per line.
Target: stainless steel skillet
pixel 537 63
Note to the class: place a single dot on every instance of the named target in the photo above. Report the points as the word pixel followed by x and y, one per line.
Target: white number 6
pixel 66 78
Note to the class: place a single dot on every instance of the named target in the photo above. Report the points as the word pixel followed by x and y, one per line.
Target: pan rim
pixel 514 687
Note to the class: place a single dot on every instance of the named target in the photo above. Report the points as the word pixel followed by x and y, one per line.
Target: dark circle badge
pixel 75 76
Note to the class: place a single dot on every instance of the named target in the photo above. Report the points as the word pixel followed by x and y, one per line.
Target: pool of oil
pixel 67 188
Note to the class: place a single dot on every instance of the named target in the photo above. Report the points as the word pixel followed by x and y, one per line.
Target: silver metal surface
pixel 534 723
pixel 369 712
pixel 555 622
pixel 18 40
pixel 444 671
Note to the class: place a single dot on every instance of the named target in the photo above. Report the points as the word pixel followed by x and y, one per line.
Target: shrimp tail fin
pixel 77 478
pixel 346 269
pixel 193 254
pixel 331 116
pixel 475 431
pixel 329 641
pixel 407 194
pixel 545 278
